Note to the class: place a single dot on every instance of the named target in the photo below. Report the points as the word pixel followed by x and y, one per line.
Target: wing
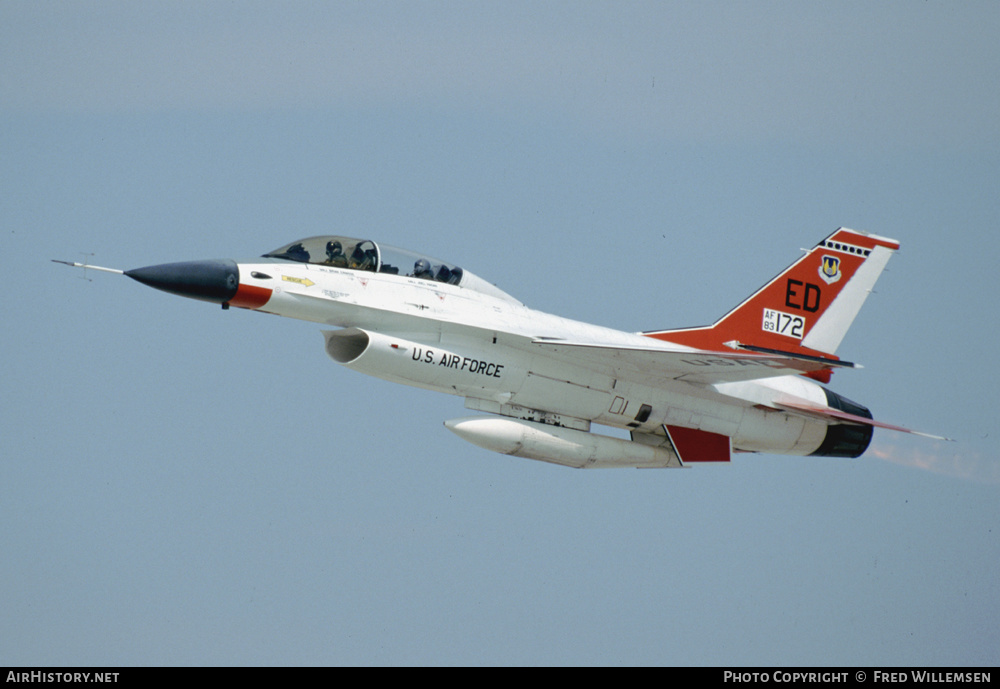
pixel 646 362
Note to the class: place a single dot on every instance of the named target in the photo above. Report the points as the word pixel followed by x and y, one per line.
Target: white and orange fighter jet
pixel 748 383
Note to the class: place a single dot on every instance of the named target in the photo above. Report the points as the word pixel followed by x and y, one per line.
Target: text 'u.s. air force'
pixel 461 363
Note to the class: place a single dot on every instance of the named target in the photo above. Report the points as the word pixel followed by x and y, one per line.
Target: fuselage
pixel 690 395
pixel 479 345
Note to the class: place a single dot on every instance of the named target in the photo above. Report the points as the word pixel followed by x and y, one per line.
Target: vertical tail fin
pixel 809 307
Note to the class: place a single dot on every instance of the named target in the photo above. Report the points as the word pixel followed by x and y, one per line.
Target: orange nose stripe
pixel 250 297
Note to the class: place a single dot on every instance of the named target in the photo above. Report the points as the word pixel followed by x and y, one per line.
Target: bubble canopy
pixel 366 255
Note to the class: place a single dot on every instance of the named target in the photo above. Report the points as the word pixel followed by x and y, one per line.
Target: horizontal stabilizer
pixel 831 415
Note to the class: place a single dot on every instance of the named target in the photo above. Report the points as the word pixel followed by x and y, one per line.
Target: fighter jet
pixel 751 382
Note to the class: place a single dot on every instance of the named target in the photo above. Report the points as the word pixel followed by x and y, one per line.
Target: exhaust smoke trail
pixel 949 460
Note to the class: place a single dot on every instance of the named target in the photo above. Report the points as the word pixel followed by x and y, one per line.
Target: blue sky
pixel 183 485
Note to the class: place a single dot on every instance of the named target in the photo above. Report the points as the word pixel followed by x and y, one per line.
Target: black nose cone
pixel 215 281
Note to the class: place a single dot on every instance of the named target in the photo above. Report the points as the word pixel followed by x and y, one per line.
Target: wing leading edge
pixel 639 362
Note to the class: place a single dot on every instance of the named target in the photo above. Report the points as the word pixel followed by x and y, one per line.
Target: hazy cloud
pixel 716 71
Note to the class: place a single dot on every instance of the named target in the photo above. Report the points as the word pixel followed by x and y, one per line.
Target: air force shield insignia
pixel 829 270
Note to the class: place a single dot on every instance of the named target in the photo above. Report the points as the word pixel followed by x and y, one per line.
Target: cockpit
pixel 365 255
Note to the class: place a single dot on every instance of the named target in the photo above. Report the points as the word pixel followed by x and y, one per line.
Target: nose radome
pixel 214 280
